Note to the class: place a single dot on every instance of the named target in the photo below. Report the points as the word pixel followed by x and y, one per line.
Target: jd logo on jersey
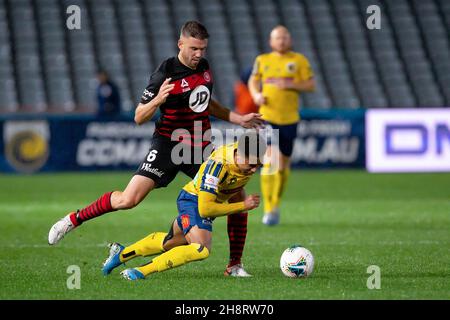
pixel 199 99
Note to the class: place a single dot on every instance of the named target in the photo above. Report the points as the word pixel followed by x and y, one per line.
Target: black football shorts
pixel 287 136
pixel 158 164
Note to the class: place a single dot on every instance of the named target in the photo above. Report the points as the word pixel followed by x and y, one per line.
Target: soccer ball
pixel 297 262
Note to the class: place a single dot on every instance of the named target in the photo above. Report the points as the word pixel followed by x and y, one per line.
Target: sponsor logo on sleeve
pixel 147 94
pixel 211 182
pixel 206 76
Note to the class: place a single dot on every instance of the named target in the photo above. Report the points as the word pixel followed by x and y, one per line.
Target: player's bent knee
pixel 198 252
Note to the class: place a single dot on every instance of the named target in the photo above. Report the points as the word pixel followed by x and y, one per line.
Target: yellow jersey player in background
pixel 209 195
pixel 277 79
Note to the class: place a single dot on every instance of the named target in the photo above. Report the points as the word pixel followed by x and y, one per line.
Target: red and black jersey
pixel 186 107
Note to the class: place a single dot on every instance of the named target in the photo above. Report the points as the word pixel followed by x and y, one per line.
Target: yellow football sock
pixel 280 181
pixel 152 244
pixel 175 257
pixel 277 183
pixel 284 179
pixel 267 183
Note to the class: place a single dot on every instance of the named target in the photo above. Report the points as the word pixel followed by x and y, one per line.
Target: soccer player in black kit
pixel 181 88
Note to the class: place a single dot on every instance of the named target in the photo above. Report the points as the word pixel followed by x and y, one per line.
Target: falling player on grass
pixel 181 90
pixel 220 178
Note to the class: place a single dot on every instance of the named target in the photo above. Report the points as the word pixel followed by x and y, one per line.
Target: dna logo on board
pixel 408 140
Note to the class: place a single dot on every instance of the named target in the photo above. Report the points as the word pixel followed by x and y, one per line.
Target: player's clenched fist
pixel 164 90
pixel 251 202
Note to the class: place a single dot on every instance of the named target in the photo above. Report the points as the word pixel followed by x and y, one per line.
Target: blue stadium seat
pixel 331 56
pixel 405 64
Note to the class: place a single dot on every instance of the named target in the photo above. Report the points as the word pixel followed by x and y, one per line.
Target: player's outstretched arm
pixel 249 120
pixel 208 207
pixel 145 112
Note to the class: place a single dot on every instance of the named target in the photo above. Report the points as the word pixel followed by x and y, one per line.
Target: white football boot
pixel 60 229
pixel 272 218
pixel 237 271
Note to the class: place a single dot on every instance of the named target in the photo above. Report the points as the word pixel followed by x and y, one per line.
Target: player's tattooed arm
pixel 145 111
pixel 249 120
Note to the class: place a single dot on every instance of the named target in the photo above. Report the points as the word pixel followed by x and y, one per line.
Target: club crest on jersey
pixel 185 221
pixel 291 67
pixel 199 99
pixel 206 76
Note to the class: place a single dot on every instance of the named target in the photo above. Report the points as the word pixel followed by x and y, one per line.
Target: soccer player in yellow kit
pixel 277 79
pixel 207 196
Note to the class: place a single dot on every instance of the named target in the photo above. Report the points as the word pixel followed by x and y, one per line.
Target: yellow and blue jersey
pixel 281 106
pixel 219 175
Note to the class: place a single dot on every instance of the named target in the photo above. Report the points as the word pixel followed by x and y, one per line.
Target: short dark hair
pixel 251 144
pixel 194 29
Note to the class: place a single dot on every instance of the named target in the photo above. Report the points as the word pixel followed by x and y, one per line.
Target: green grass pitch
pixel 348 219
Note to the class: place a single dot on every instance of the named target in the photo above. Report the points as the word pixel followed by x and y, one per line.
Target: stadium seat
pixel 160 29
pixel 8 95
pixel 266 19
pixel 183 11
pixel 243 33
pixel 411 49
pixel 405 64
pixel 331 56
pixel 436 40
pixel 388 61
pixel 220 50
pixel 82 60
pixel 55 62
pixel 30 83
pixel 356 49
pixel 32 94
pixel 293 15
pixel 109 47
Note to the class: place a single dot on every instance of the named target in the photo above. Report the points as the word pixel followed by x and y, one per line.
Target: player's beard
pixel 188 61
pixel 194 63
